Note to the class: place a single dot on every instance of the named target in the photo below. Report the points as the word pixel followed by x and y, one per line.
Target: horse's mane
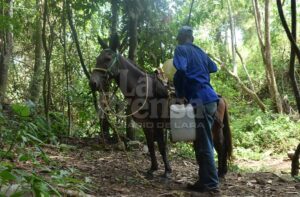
pixel 139 68
pixel 135 65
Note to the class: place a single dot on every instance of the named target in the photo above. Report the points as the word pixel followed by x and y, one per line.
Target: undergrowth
pixel 256 134
pixel 22 137
pixel 23 134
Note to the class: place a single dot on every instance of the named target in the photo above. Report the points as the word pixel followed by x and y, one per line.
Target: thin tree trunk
pixel 133 43
pixel 132 35
pixel 265 45
pixel 273 84
pixel 66 68
pixel 114 42
pixel 6 47
pixel 190 13
pixel 75 37
pixel 295 51
pixel 47 44
pixel 258 23
pixel 233 39
pixel 35 83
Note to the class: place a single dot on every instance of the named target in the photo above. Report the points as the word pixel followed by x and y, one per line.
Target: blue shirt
pixel 192 78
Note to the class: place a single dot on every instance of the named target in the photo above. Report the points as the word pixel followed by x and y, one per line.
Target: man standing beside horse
pixel 192 84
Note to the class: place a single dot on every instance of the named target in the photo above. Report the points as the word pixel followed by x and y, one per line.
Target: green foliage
pixel 18 183
pixel 20 109
pixel 260 132
pixel 183 149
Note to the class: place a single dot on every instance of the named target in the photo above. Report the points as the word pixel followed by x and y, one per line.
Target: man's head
pixel 185 34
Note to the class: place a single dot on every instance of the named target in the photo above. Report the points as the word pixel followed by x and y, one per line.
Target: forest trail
pixel 118 173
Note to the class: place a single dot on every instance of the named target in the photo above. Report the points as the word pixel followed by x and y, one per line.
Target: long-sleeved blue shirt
pixel 192 78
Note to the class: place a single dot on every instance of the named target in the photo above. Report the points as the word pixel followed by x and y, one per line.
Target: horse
pixel 149 103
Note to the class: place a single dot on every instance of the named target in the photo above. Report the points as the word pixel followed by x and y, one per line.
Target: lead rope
pixel 146 182
pixel 133 113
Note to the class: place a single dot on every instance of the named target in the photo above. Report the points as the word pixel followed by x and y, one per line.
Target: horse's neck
pixel 129 77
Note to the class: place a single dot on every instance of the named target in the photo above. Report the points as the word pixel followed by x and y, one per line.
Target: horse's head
pixel 106 68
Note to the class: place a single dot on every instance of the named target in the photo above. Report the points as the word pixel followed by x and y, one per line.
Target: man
pixel 192 84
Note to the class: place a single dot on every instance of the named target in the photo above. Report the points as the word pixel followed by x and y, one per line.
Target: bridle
pixel 109 71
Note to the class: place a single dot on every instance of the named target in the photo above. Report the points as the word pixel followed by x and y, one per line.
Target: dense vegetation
pixel 44 91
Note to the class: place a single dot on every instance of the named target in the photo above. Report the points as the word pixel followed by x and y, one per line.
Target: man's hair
pixel 184 33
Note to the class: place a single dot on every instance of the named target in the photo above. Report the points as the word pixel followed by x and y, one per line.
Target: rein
pixel 133 113
pixel 109 73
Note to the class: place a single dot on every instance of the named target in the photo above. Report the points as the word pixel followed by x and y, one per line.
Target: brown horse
pixel 149 101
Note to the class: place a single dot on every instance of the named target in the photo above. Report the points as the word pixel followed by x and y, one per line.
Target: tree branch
pixel 242 85
pixel 245 68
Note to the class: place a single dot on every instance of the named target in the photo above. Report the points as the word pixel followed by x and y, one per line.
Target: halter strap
pixel 100 69
pixel 111 66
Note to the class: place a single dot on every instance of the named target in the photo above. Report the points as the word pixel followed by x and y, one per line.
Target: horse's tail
pixel 227 133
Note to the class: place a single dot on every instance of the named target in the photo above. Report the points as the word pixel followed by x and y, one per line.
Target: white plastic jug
pixel 182 122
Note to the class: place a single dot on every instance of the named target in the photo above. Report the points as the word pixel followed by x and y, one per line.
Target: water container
pixel 182 122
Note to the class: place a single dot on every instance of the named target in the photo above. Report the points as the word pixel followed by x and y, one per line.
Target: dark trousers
pixel 203 145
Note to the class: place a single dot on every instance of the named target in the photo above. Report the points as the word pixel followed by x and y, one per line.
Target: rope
pixel 133 113
pixel 109 72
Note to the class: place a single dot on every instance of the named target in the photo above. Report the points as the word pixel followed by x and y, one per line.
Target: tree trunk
pixel 233 39
pixel 295 51
pixel 6 47
pixel 35 83
pixel 265 45
pixel 132 35
pixel 66 67
pixel 269 65
pixel 48 45
pixel 133 43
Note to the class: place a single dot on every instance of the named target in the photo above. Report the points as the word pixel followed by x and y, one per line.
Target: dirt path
pixel 117 173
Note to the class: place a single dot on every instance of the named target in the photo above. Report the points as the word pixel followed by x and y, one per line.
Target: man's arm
pixel 180 59
pixel 212 67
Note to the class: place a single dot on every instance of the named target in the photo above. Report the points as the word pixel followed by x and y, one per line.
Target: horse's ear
pixel 102 43
pixel 114 42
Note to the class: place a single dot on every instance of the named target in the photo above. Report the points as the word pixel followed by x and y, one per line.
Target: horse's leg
pixel 150 143
pixel 163 151
pixel 218 139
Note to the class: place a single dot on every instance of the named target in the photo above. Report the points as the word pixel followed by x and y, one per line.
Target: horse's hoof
pixel 166 175
pixel 221 175
pixel 222 178
pixel 149 174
